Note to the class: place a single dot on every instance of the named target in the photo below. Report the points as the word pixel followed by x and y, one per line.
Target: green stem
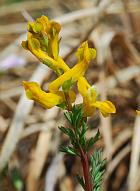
pixel 83 155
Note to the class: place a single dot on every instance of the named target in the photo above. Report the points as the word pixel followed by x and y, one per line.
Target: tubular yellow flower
pixel 106 107
pixel 47 100
pixel 85 55
pixel 47 32
pixel 43 41
pixel 90 102
pixel 34 46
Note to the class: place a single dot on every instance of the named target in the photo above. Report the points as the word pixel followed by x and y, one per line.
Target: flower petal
pixel 83 86
pixel 48 100
pixel 87 107
pixel 85 53
pixel 45 23
pixel 89 96
pixel 106 107
pixel 74 73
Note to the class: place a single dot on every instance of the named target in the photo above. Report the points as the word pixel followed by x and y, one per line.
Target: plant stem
pixel 84 155
pixel 68 101
pixel 86 170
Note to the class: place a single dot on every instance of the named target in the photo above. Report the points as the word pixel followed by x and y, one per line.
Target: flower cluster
pixel 43 42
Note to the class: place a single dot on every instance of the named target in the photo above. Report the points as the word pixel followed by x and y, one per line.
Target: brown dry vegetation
pixel 29 137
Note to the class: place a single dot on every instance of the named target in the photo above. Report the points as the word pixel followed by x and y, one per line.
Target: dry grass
pixel 28 133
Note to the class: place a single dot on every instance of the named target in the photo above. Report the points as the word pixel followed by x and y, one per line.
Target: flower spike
pixel 43 41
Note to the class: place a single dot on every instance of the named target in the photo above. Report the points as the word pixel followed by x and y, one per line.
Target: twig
pixel 55 166
pixel 129 20
pixel 135 155
pixel 4 123
pixel 17 28
pixel 114 163
pixel 27 16
pixel 10 93
pixel 106 122
pixel 121 139
pixel 137 186
pixel 37 161
pixel 23 108
pixel 123 76
pixel 10 103
pixel 38 127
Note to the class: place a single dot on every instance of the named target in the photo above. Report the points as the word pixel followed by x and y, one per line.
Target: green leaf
pixel 82 135
pixel 83 142
pixel 78 118
pixel 62 105
pixel 84 128
pixel 64 130
pixel 69 132
pixel 97 169
pixel 93 140
pixel 68 150
pixel 81 181
pixel 68 117
pixel 67 85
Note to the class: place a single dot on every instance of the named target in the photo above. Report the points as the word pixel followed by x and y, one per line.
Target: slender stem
pixel 84 156
pixel 68 101
pixel 86 170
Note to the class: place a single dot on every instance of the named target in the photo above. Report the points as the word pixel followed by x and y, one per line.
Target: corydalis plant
pixel 43 42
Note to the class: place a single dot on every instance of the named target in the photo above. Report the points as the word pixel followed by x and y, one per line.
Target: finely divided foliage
pixel 77 134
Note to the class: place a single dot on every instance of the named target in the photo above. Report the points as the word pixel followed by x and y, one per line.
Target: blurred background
pixel 29 138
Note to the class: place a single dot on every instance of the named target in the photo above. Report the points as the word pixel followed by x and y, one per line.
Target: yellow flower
pixel 85 55
pixel 90 102
pixel 47 100
pixel 43 41
pixel 138 112
pixel 47 32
